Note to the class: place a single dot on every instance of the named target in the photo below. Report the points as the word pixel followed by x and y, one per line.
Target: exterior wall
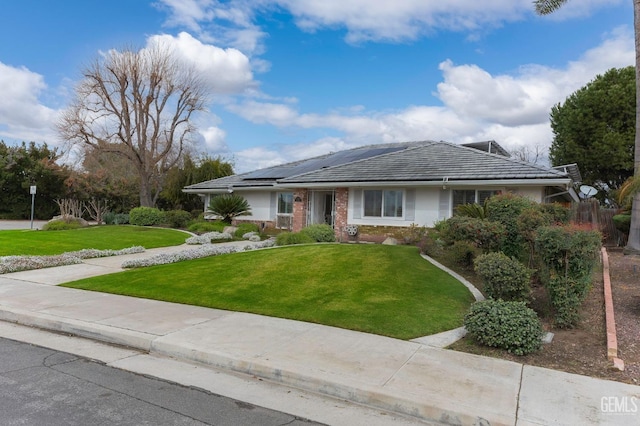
pixel 426 211
pixel 427 208
pixel 300 202
pixel 533 193
pixel 260 203
pixel 427 200
pixel 262 224
pixel 341 207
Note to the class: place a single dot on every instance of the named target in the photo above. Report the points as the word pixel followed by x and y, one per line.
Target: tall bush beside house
pixel 528 223
pixel 483 234
pixel 560 215
pixel 569 255
pixel 146 216
pixel 503 277
pixel 505 209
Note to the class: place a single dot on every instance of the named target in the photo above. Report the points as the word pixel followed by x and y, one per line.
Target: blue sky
pixel 295 78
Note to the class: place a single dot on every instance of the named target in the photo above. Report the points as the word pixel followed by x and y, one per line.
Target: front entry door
pixel 321 208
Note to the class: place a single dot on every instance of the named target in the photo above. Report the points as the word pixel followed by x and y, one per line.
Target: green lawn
pixel 387 290
pixel 115 237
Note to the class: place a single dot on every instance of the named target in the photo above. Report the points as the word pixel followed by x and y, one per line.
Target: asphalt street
pixel 40 386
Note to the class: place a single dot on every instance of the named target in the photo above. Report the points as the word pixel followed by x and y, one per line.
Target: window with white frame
pixel 470 196
pixel 382 203
pixel 285 203
pixel 284 216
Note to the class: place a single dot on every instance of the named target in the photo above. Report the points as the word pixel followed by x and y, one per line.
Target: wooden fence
pixel 601 219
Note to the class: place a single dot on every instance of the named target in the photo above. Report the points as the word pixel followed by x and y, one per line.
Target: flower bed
pixel 208 237
pixel 205 250
pixel 10 264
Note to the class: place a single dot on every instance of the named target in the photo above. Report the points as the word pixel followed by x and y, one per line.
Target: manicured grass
pixel 29 242
pixel 387 290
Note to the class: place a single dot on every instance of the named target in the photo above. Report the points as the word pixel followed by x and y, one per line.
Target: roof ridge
pixel 513 160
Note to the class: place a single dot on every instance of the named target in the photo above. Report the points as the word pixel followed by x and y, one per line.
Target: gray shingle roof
pixel 430 161
pixel 406 162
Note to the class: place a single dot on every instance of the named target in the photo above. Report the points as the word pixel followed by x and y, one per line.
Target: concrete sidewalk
pixel 404 377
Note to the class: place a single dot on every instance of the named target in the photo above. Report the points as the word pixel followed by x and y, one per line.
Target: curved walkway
pixel 410 378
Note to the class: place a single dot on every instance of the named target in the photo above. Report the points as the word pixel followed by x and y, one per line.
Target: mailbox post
pixel 32 191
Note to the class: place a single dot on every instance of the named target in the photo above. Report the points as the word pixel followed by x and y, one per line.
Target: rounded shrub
pixel 245 228
pixel 503 277
pixel 202 227
pixel 177 218
pixel 289 238
pixel 111 218
pixel 146 216
pixel 505 324
pixel 463 253
pixel 321 233
pixel 431 246
pixel 482 233
pixel 64 224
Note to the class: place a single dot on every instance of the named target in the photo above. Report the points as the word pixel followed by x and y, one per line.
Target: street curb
pixel 428 409
pixel 99 332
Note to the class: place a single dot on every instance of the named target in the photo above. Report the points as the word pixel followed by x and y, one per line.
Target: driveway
pixel 21 224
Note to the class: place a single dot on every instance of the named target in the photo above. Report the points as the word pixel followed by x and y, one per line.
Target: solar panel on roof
pixel 335 159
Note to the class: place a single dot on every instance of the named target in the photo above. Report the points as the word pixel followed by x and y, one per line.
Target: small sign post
pixel 32 191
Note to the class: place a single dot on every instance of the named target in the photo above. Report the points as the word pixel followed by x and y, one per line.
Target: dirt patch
pixel 583 350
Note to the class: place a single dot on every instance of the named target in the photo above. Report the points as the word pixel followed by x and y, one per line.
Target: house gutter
pixel 563 182
pixel 560 182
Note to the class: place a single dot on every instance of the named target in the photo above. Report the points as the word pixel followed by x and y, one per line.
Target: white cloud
pixel 257 158
pixel 214 139
pixel 512 109
pixel 233 23
pixel 526 97
pixel 23 115
pixel 188 13
pixel 226 71
pixel 221 23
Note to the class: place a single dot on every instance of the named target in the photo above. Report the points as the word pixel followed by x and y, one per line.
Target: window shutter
pixel 273 206
pixel 444 205
pixel 410 205
pixel 357 203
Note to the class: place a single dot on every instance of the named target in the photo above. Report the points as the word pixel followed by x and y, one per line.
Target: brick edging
pixel 612 339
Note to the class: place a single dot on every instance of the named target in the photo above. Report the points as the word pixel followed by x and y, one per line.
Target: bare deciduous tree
pixel 70 207
pixel 536 154
pixel 138 105
pixel 96 209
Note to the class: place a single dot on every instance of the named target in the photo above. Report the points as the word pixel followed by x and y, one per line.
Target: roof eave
pixel 432 183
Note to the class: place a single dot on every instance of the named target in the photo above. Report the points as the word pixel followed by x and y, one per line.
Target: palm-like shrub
pixel 474 210
pixel 229 206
